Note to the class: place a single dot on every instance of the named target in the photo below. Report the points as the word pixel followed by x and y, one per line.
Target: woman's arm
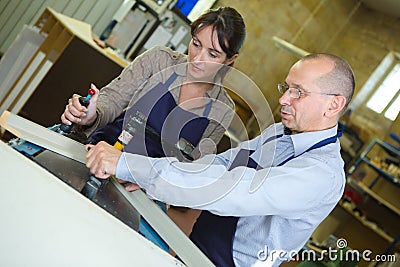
pixel 116 96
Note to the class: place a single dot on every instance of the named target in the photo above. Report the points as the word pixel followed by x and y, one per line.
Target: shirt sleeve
pixel 208 184
pixel 127 161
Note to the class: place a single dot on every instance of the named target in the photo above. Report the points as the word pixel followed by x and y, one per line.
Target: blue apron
pixel 162 114
pixel 168 120
pixel 214 234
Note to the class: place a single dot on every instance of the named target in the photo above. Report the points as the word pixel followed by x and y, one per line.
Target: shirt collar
pixel 304 141
pixel 216 90
pixel 180 67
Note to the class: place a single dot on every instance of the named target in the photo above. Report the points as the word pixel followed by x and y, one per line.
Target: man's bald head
pixel 340 80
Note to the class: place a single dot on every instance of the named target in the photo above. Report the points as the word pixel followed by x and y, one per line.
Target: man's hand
pixel 102 159
pixel 132 187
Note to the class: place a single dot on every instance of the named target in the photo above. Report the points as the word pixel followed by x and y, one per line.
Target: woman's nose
pixel 200 56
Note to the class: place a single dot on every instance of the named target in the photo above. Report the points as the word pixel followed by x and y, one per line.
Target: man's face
pixel 305 114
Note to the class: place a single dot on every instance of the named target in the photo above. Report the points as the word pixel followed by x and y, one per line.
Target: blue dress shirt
pixel 279 206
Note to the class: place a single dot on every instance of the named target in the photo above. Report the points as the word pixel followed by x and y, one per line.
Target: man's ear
pixel 336 106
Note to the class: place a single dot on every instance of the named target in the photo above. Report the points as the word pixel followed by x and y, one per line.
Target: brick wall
pixel 343 27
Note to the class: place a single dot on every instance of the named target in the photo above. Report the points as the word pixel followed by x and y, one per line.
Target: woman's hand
pixel 102 159
pixel 76 113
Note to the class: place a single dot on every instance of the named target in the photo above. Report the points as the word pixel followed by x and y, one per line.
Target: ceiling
pixel 389 7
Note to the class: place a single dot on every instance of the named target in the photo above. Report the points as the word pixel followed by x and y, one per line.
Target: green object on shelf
pixel 341 259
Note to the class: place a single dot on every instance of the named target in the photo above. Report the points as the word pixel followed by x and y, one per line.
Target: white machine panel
pixel 44 222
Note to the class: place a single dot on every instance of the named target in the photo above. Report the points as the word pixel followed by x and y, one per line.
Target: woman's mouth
pixel 195 68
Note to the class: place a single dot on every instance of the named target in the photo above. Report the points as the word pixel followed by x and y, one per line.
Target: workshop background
pixel 364 32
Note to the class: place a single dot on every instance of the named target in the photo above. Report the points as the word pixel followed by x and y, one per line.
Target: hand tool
pixel 65 128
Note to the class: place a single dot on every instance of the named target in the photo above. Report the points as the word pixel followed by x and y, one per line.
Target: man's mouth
pixel 285 111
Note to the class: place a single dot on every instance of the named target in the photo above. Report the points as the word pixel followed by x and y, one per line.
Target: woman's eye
pixel 213 55
pixel 195 43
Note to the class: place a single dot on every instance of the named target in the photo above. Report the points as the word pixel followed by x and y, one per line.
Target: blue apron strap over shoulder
pixel 207 109
pixel 214 234
pixel 110 132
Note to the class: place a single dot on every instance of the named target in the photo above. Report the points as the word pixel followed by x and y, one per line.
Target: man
pixel 258 202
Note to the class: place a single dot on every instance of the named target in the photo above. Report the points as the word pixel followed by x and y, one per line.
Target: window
pixel 377 104
pixel 386 98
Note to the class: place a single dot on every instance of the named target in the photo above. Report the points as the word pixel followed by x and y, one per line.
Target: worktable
pixel 45 222
pixel 45 138
pixel 75 174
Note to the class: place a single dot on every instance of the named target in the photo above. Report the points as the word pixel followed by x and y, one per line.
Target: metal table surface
pixel 76 175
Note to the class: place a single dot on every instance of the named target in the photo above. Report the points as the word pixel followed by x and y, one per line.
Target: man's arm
pixel 287 191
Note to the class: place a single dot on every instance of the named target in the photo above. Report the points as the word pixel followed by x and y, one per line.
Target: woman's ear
pixel 336 106
pixel 230 60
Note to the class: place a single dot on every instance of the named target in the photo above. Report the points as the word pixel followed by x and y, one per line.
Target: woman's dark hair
pixel 229 26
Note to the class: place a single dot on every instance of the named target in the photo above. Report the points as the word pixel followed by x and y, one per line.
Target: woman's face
pixel 205 55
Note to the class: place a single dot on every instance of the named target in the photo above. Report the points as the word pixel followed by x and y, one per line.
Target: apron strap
pixel 170 80
pixel 214 234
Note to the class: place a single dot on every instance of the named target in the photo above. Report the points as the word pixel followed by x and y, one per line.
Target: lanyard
pixel 321 143
pixel 329 140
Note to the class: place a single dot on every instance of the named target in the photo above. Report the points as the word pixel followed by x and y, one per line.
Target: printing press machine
pixel 77 175
pixel 45 222
pixel 51 216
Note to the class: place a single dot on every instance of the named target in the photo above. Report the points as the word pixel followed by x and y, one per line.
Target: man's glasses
pixel 296 92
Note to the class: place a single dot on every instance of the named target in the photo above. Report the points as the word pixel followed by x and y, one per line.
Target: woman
pixel 178 97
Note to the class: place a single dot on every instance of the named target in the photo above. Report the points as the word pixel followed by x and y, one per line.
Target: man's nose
pixel 285 99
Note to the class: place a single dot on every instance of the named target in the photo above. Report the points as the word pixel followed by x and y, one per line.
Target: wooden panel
pixel 109 12
pixel 62 41
pixel 21 20
pixel 43 5
pixel 65 78
pixel 15 13
pixel 59 5
pixel 51 39
pixel 5 16
pixel 14 20
pixel 44 137
pixel 84 10
pixel 96 12
pixel 63 73
pixel 20 84
pixel 72 7
pixel 30 87
pixel 25 18
pixel 16 59
pixel 188 252
pixel 3 4
pixel 31 12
